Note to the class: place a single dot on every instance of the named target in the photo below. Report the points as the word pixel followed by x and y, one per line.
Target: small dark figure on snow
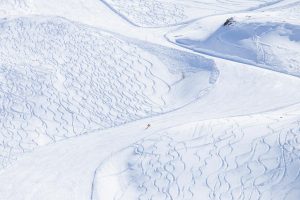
pixel 230 21
pixel 148 126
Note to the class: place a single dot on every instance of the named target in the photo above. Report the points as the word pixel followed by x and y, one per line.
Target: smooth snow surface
pixel 149 100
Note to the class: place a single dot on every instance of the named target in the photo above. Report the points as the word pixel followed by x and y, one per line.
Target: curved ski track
pixel 101 81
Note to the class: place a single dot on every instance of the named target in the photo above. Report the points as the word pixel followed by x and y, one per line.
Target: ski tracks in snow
pixel 222 159
pixel 158 13
pixel 69 81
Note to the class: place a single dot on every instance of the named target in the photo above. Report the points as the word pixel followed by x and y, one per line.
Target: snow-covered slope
pixel 149 99
pixel 13 7
pixel 157 13
pixel 69 79
pixel 244 158
pixel 262 39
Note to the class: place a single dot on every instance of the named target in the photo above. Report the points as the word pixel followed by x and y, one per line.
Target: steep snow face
pixel 247 158
pixel 59 79
pixel 274 45
pixel 158 13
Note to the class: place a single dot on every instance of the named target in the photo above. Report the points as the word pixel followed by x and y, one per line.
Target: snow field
pixel 246 158
pixel 150 99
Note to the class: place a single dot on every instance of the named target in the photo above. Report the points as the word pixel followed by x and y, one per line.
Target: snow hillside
pixel 66 82
pixel 268 39
pixel 220 159
pixel 149 99
pixel 158 13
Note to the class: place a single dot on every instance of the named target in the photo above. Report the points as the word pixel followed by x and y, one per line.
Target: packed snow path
pixel 93 114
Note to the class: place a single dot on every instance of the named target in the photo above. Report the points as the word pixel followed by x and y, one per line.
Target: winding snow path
pixel 77 100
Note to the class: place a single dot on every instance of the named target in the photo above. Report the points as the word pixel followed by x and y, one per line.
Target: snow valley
pixel 149 99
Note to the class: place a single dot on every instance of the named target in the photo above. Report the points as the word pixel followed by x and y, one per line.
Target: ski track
pixel 157 13
pixel 263 53
pixel 219 159
pixel 214 164
pixel 8 7
pixel 69 80
pixel 147 13
pixel 15 4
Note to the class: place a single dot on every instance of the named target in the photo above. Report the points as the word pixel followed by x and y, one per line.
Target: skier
pixel 148 126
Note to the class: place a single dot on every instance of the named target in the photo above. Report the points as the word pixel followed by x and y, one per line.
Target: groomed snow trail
pixel 106 100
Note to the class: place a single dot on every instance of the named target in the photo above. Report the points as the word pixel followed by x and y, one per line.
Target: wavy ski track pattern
pixel 157 13
pixel 68 81
pixel 214 160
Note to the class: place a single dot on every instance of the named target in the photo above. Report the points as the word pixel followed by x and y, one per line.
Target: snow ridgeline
pixel 252 157
pixel 69 79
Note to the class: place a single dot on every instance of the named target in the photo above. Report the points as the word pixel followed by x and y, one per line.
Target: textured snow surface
pixel 68 80
pixel 219 159
pixel 156 13
pixel 149 99
pixel 10 7
pixel 270 44
pixel 13 3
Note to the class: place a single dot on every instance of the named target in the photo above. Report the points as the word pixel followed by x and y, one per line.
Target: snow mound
pixel 246 158
pixel 273 45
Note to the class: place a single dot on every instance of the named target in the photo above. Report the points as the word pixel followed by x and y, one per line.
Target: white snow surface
pixel 265 39
pixel 149 99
